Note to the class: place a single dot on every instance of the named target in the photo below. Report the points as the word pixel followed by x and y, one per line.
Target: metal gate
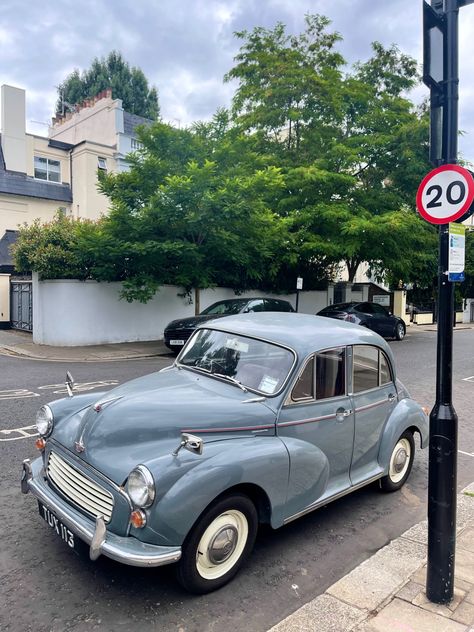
pixel 21 305
pixel 472 311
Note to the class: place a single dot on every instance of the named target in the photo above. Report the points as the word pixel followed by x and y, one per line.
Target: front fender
pixel 259 461
pixel 406 414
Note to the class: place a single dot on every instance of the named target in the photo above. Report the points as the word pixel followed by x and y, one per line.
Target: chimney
pixel 13 127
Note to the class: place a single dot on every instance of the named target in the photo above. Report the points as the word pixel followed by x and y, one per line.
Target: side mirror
pixel 69 383
pixel 191 443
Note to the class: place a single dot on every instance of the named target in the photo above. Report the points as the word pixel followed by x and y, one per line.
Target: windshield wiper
pixel 231 379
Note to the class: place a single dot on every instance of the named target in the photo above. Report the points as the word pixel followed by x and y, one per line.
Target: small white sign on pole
pixel 457 248
pixel 299 283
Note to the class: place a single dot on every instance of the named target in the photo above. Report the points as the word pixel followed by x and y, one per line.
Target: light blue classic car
pixel 262 418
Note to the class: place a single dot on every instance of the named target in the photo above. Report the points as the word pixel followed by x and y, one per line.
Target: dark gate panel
pixel 21 305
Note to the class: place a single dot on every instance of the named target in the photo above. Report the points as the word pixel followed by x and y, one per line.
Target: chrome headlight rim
pixel 44 421
pixel 146 479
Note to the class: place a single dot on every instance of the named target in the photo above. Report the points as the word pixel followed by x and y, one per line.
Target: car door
pixel 316 423
pixel 374 396
pixel 384 322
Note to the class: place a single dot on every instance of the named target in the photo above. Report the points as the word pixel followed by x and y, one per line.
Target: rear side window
pixel 274 305
pixel 371 368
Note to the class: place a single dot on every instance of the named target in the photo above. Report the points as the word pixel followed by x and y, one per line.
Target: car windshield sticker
pixel 237 345
pixel 268 384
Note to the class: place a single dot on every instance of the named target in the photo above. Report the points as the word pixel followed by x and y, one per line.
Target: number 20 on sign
pixel 445 194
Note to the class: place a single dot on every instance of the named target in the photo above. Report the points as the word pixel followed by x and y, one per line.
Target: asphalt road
pixel 46 587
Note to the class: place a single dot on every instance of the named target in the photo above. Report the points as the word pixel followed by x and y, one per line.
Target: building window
pixel 102 164
pixel 47 169
pixel 136 144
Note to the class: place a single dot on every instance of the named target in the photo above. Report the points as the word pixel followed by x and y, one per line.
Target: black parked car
pixel 370 315
pixel 178 331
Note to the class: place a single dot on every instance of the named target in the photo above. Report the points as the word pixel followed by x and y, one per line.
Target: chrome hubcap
pixel 400 460
pixel 223 544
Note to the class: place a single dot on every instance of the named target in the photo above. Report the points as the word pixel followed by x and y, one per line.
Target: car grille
pixel 178 334
pixel 79 488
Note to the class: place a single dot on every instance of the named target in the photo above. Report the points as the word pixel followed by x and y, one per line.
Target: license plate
pixel 57 526
pixel 177 342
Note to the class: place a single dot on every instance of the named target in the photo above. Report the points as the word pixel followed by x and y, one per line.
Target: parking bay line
pixel 466 453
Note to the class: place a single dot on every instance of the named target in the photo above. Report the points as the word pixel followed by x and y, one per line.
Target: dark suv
pixel 370 315
pixel 178 331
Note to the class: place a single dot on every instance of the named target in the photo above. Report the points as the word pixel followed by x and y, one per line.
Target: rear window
pixel 371 368
pixel 336 308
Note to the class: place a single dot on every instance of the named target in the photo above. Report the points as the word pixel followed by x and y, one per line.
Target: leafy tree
pixel 194 210
pixel 127 83
pixel 351 146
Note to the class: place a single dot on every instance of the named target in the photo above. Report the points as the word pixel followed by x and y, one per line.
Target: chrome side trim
pixel 373 405
pixel 321 503
pixel 124 549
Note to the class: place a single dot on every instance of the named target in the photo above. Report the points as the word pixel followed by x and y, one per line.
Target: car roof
pixel 302 332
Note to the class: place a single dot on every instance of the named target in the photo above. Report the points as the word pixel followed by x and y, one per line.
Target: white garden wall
pixel 71 313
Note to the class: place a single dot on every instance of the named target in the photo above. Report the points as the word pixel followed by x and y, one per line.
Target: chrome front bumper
pixel 127 550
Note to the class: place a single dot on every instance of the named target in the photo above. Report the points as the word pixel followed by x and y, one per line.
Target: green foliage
pixel 194 210
pixel 351 146
pixel 60 249
pixel 127 83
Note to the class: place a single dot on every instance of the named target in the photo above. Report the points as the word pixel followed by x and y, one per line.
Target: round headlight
pixel 141 487
pixel 44 420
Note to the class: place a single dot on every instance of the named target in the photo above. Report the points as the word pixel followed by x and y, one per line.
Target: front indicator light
pixel 40 443
pixel 138 518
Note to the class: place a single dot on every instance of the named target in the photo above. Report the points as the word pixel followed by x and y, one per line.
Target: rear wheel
pixel 399 331
pixel 218 544
pixel 401 462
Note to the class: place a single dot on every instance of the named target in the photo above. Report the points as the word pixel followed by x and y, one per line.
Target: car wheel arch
pixel 400 421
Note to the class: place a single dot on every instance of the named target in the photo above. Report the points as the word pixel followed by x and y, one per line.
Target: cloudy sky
pixel 185 47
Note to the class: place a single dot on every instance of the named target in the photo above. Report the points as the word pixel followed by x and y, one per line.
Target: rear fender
pixel 406 414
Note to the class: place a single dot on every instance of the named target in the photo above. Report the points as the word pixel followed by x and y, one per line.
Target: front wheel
pixel 399 331
pixel 218 544
pixel 401 461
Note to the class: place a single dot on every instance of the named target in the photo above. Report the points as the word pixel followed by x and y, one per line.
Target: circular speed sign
pixel 445 194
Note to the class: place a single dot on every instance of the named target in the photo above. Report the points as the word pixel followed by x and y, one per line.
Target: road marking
pixel 468 379
pixel 79 387
pixel 466 453
pixel 26 432
pixel 17 393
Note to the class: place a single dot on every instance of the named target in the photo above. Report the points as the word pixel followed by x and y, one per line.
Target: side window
pixel 365 308
pixel 365 374
pixel 378 309
pixel 274 305
pixel 304 387
pixel 385 372
pixel 330 373
pixel 256 306
pixel 371 368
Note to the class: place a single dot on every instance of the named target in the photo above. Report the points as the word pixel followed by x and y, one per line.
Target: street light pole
pixel 443 419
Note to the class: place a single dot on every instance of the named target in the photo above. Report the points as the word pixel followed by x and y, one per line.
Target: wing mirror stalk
pixel 69 384
pixel 190 442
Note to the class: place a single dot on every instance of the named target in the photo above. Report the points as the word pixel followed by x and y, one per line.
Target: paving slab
pixel 400 616
pixel 323 614
pixel 368 585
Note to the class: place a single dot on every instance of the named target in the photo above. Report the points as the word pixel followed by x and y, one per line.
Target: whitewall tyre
pixel 218 544
pixel 401 462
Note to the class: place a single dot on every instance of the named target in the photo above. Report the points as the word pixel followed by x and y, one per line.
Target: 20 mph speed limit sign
pixel 445 194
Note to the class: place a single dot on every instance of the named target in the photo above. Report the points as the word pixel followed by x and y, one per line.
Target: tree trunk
pixel 197 301
pixel 352 266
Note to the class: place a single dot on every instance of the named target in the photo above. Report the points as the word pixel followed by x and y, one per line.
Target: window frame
pixel 289 401
pixel 380 351
pixel 47 169
pixel 99 166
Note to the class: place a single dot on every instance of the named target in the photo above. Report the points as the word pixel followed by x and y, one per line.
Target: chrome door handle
pixel 392 397
pixel 341 413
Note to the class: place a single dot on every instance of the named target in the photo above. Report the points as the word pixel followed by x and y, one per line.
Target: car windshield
pixel 226 307
pixel 249 363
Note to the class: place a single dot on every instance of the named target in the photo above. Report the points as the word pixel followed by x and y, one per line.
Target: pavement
pixel 20 344
pixel 386 593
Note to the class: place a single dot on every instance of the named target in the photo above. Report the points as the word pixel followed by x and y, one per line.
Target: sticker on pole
pixel 445 194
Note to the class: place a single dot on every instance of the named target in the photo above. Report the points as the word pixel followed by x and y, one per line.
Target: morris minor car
pixel 262 418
